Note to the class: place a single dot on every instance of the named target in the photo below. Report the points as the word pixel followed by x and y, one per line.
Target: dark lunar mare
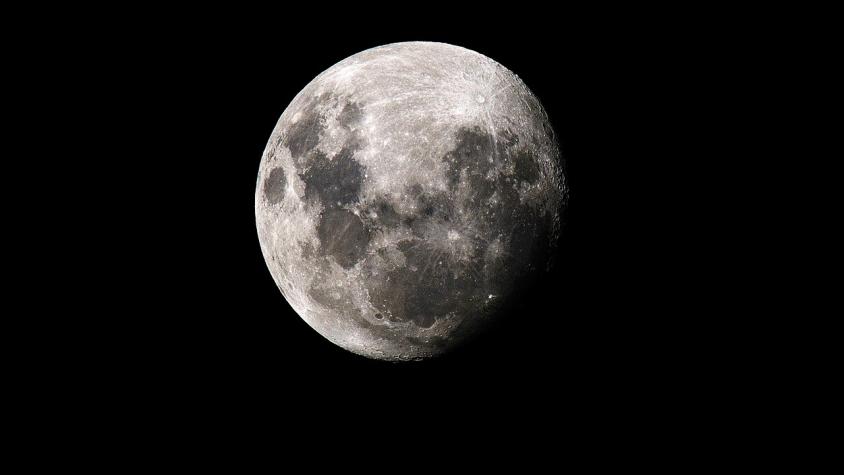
pixel 274 185
pixel 343 236
pixel 334 182
pixel 437 287
pixel 303 136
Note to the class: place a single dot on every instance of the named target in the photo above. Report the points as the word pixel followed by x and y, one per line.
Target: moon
pixel 406 196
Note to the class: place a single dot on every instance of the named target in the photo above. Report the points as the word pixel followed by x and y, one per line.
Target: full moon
pixel 406 196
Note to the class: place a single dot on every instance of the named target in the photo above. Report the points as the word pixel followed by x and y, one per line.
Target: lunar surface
pixel 407 194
